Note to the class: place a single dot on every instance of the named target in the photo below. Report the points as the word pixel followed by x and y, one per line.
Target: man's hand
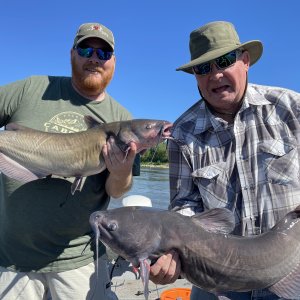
pixel 118 162
pixel 119 165
pixel 167 269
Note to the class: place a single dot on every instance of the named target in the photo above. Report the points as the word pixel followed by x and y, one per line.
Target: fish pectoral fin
pixel 14 170
pixel 145 271
pixel 76 185
pixel 216 220
pixel 289 286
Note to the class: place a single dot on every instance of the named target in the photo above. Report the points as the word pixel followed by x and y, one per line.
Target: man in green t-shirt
pixel 44 229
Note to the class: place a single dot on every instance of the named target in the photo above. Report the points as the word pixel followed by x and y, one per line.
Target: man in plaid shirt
pixel 237 147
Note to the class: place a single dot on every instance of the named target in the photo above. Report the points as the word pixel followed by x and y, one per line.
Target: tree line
pixel 157 155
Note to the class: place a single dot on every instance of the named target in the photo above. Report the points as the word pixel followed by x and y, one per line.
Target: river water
pixel 153 183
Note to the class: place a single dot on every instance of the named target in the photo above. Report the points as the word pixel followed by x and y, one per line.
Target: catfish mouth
pixel 165 131
pixel 104 234
pixel 101 232
pixel 163 134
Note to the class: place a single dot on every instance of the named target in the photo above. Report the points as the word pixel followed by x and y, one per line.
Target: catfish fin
pixel 289 286
pixel 284 224
pixel 91 121
pixel 145 271
pixel 14 170
pixel 216 220
pixel 76 185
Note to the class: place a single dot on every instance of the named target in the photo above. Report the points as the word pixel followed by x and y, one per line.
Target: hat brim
pixel 255 49
pixel 92 36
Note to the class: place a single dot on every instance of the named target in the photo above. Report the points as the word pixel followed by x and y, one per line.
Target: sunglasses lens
pixel 222 62
pixel 226 60
pixel 88 52
pixel 104 55
pixel 202 69
pixel 85 52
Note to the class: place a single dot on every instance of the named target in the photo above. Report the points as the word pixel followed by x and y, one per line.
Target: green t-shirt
pixel 43 227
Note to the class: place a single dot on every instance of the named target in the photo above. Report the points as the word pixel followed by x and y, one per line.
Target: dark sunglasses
pixel 221 63
pixel 88 52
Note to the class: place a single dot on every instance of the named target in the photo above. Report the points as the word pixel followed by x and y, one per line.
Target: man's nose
pixel 94 58
pixel 215 73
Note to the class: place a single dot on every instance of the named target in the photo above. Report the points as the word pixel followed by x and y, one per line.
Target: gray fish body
pixel 210 259
pixel 28 154
pixel 52 153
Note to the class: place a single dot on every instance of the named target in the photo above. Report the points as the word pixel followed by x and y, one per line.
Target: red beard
pixel 90 84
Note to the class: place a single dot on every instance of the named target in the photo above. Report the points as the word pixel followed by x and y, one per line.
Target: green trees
pixel 158 155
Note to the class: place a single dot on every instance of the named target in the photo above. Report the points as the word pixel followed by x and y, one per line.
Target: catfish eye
pixel 112 226
pixel 148 126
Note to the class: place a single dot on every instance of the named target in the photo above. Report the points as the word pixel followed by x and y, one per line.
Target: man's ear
pixel 246 59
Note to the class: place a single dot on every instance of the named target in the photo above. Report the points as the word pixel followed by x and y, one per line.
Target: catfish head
pixel 145 133
pixel 129 232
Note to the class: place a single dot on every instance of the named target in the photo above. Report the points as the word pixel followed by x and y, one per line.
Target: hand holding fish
pixel 166 269
pixel 119 164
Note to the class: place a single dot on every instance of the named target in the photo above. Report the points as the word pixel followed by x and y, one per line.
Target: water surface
pixel 152 183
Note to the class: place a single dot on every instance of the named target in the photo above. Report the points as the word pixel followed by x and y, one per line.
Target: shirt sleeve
pixel 10 97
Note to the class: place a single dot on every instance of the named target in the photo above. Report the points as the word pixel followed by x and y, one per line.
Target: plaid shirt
pixel 250 166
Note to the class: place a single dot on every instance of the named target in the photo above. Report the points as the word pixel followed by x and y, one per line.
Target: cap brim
pixel 255 49
pixel 92 36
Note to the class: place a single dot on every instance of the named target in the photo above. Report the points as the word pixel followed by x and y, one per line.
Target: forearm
pixel 116 185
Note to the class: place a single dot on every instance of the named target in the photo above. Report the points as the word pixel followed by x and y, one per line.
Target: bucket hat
pixel 94 30
pixel 216 39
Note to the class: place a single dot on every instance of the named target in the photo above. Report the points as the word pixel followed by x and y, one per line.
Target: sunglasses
pixel 221 63
pixel 88 52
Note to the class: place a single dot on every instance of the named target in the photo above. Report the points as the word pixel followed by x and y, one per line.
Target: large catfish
pixel 28 154
pixel 211 258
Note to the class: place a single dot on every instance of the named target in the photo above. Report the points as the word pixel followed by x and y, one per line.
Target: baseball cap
pixel 94 30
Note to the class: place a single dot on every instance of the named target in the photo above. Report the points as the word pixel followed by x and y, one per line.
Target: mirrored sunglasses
pixel 88 52
pixel 221 63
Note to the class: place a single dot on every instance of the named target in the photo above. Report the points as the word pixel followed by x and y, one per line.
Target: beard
pixel 89 84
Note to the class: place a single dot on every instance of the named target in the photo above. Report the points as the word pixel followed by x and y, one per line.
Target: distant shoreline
pixel 154 165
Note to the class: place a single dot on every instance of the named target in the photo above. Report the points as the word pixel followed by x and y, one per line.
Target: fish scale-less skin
pixel 72 154
pixel 215 261
pixel 52 153
pixel 240 264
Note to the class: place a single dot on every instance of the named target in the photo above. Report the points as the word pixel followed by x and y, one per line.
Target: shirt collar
pixel 206 120
pixel 203 121
pixel 253 97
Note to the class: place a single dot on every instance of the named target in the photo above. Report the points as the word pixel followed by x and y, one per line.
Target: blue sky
pixel 151 41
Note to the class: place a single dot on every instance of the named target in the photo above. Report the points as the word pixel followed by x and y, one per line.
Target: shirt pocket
pixel 280 161
pixel 214 186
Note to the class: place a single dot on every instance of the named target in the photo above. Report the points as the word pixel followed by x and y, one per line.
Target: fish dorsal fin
pixel 216 220
pixel 16 171
pixel 91 121
pixel 289 286
pixel 291 218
